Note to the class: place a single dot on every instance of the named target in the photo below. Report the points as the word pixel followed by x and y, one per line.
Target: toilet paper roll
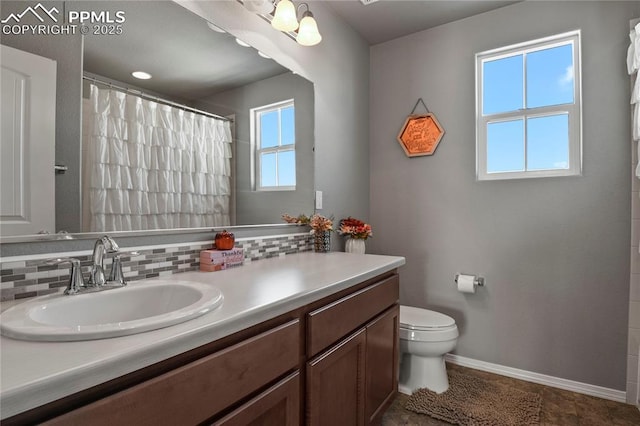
pixel 465 283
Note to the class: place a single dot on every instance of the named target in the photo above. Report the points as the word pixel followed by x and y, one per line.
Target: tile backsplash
pixel 30 276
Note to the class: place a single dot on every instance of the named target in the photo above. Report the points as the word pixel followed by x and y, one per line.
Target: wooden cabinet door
pixel 382 363
pixel 277 406
pixel 335 384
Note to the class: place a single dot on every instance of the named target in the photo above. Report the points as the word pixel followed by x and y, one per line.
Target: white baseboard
pixel 405 390
pixel 556 382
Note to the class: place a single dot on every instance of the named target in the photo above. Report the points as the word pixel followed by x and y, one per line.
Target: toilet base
pixel 418 372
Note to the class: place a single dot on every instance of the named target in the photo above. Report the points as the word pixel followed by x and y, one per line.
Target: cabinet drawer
pixel 195 392
pixel 279 405
pixel 334 321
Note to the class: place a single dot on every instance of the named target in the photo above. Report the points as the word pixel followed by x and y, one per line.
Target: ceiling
pixel 386 20
pixel 153 40
pixel 214 62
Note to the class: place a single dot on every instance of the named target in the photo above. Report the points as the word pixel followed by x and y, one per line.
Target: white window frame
pixel 256 165
pixel 574 111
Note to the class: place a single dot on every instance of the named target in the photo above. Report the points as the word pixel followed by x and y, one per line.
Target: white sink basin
pixel 136 308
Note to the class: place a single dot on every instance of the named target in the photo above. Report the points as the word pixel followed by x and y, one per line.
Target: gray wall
pixel 268 206
pixel 554 251
pixel 66 50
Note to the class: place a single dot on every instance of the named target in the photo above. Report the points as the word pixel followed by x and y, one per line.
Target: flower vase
pixel 322 241
pixel 354 245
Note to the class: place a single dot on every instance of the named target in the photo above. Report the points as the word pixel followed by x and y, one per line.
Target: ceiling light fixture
pixel 308 34
pixel 141 75
pixel 215 28
pixel 286 19
pixel 264 7
pixel 242 43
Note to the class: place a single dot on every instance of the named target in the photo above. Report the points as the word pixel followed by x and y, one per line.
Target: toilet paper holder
pixel 479 281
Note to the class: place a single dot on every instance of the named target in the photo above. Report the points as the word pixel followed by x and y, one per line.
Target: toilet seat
pixel 423 325
pixel 433 335
pixel 423 319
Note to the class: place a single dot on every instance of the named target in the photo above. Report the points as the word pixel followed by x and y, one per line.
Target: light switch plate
pixel 319 200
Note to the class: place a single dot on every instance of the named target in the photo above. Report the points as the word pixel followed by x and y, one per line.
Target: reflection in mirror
pixel 151 165
pixel 216 79
pixel 168 185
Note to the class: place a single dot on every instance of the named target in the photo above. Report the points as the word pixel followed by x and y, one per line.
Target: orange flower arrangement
pixel 300 220
pixel 319 223
pixel 355 228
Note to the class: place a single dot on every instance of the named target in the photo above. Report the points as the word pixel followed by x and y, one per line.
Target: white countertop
pixel 35 373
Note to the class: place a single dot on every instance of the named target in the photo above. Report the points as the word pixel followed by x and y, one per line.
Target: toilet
pixel 425 337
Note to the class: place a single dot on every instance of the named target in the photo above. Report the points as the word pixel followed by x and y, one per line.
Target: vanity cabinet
pixel 352 381
pixel 331 362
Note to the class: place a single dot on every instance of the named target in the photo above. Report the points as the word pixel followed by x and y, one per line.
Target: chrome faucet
pixel 97 280
pixel 103 245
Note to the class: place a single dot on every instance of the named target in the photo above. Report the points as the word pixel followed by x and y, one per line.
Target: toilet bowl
pixel 425 337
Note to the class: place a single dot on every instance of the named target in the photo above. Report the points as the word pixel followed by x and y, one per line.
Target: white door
pixel 27 156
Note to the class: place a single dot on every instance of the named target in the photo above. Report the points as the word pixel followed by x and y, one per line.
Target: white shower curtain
pixel 153 166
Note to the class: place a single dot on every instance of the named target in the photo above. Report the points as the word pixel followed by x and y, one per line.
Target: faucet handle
pixel 76 282
pixel 116 276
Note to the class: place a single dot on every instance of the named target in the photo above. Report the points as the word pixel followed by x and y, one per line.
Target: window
pixel 528 109
pixel 274 141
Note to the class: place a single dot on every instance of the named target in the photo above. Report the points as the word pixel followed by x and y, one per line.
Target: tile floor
pixel 559 407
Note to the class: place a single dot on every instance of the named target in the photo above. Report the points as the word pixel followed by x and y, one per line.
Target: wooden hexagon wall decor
pixel 420 135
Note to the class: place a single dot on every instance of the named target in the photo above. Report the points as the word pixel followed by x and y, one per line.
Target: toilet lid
pixel 423 319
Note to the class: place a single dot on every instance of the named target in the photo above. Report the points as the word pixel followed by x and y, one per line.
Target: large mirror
pixel 193 64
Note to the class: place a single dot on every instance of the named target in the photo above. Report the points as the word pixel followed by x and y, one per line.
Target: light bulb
pixel 308 34
pixel 141 75
pixel 285 18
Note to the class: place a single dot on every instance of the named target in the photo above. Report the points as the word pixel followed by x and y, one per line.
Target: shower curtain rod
pixel 154 98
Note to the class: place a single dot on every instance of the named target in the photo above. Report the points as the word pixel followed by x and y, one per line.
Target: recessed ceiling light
pixel 264 55
pixel 263 7
pixel 215 28
pixel 141 75
pixel 242 43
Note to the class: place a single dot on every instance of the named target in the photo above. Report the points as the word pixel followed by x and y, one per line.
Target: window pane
pixel 502 85
pixel 287 168
pixel 288 126
pixel 550 77
pixel 269 133
pixel 505 146
pixel 548 142
pixel 268 169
